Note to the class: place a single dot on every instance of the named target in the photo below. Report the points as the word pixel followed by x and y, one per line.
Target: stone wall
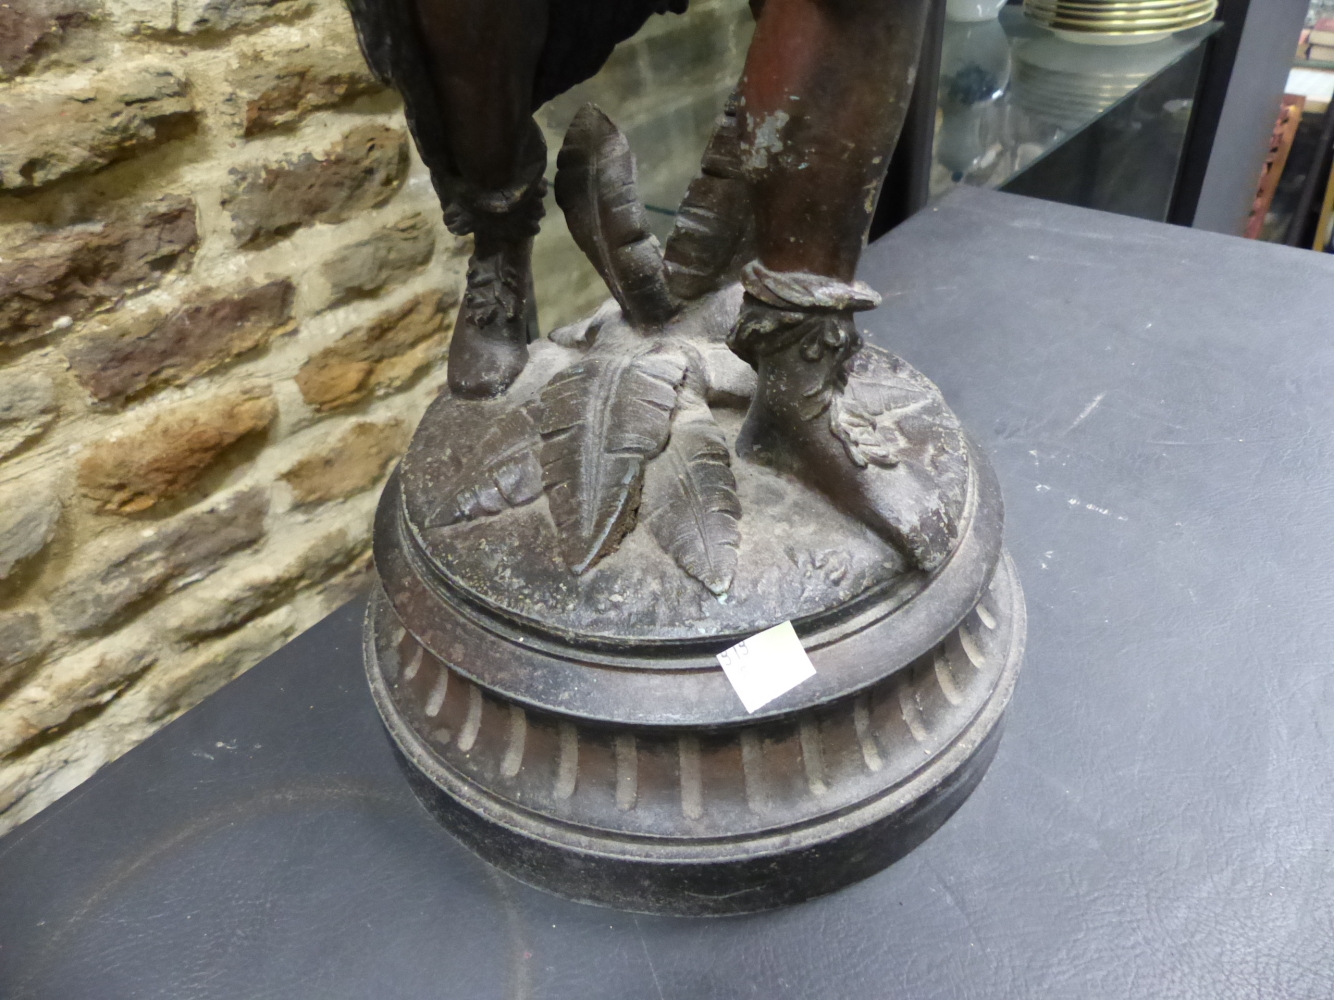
pixel 225 299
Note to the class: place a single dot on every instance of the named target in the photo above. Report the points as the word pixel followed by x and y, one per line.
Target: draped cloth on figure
pixel 582 34
pixel 580 37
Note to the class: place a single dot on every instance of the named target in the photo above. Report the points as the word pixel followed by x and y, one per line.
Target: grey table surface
pixel 1159 821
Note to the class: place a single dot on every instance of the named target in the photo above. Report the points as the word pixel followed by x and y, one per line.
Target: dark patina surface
pixel 690 556
pixel 584 521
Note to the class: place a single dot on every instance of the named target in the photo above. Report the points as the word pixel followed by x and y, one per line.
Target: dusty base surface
pixel 478 499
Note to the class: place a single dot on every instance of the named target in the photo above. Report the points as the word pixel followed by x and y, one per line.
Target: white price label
pixel 766 665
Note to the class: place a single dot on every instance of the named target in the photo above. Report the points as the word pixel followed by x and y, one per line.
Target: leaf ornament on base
pixel 500 471
pixel 600 420
pixel 690 500
pixel 597 190
pixel 712 236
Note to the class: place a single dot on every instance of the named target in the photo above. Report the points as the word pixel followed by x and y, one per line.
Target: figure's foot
pixel 496 321
pixel 855 423
pixel 498 316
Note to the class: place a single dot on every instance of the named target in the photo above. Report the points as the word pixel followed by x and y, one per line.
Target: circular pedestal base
pixel 702 820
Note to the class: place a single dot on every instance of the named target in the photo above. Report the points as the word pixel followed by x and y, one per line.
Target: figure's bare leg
pixel 823 99
pixel 483 54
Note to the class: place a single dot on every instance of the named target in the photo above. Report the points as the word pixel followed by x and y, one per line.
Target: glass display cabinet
pixel 1021 109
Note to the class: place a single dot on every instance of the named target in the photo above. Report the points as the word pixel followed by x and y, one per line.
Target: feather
pixel 597 190
pixel 690 501
pixel 499 471
pixel 712 234
pixel 600 420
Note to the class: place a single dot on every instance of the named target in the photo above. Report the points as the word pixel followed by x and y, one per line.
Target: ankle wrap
pixel 782 308
pixel 507 215
pixel 807 292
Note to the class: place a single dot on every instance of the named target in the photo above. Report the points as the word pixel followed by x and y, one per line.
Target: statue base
pixel 629 775
pixel 713 452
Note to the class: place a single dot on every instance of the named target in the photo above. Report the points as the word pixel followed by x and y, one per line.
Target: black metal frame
pixel 1220 56
pixel 908 179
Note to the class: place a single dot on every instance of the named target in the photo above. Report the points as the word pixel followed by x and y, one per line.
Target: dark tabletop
pixel 1159 822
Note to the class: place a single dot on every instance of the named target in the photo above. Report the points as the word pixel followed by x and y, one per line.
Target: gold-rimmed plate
pixel 1140 28
pixel 1117 27
pixel 1158 19
pixel 1129 6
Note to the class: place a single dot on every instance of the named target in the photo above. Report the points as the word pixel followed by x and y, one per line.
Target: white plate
pixel 1095 38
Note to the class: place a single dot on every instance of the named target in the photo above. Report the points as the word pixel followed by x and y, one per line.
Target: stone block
pixel 66 687
pixel 136 17
pixel 259 588
pixel 289 95
pixel 30 27
pixel 60 276
pixel 27 407
pixel 380 356
pixel 21 641
pixel 190 678
pixel 123 357
pixel 388 256
pixel 30 783
pixel 194 17
pixel 113 576
pixel 352 462
pixel 29 510
pixel 282 86
pixel 349 585
pixel 58 128
pixel 168 453
pixel 362 170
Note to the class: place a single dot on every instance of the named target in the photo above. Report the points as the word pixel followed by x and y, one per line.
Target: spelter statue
pixel 854 506
pixel 823 96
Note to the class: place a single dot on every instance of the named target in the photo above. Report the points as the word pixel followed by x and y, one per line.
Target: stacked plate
pixel 1119 22
pixel 1069 86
